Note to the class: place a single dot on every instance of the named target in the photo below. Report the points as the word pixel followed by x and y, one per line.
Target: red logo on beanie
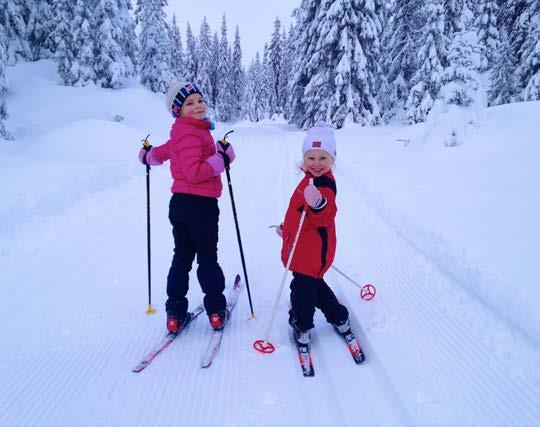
pixel 316 144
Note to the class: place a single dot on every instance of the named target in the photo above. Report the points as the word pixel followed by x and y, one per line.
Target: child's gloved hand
pixel 228 150
pixel 313 196
pixel 217 162
pixel 148 158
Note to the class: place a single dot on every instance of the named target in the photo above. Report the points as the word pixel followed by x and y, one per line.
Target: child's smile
pixel 317 162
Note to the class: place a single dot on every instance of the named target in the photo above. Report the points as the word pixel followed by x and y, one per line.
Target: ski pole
pixel 264 346
pixel 346 277
pixel 367 292
pixel 227 162
pixel 147 146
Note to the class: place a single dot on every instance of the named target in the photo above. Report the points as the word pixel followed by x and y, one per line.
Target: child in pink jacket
pixel 196 163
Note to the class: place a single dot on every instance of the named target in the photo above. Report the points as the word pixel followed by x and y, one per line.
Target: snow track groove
pixel 432 312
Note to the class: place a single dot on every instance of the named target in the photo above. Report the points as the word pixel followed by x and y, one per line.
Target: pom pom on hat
pixel 320 137
pixel 177 94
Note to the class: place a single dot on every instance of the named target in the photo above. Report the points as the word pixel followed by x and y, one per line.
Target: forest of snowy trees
pixel 343 61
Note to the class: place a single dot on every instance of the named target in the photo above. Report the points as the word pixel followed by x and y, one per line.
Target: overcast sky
pixel 255 19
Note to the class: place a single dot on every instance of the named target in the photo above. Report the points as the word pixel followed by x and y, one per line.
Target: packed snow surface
pixel 448 235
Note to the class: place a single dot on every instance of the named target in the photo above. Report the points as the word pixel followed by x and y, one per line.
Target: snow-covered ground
pixel 449 236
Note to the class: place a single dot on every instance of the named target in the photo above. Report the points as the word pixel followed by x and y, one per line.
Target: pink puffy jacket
pixel 190 144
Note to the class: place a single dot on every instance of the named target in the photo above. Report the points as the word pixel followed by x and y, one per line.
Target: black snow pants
pixel 195 231
pixel 308 293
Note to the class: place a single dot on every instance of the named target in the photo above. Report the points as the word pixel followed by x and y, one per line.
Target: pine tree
pixel 83 28
pixel 177 51
pixel 460 79
pixel 336 49
pixel 114 26
pixel 488 34
pixel 253 102
pixel 286 70
pixel 401 44
pixel 4 133
pixel 204 55
pixel 263 107
pixel 432 59
pixel 237 78
pixel 275 59
pixel 224 72
pixel 502 79
pixel 62 35
pixel 214 72
pixel 40 29
pixel 191 56
pixel 529 68
pixel 155 47
pixel 14 16
pixel 453 13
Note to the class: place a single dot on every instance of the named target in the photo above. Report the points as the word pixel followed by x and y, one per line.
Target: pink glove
pixel 148 157
pixel 229 150
pixel 217 163
pixel 313 196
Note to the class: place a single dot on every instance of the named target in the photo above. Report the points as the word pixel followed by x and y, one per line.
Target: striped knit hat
pixel 177 94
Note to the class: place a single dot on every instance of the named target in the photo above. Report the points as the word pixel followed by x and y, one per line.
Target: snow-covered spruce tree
pixel 155 47
pixel 115 58
pixel 236 78
pixel 400 47
pixel 4 133
pixel 14 16
pixel 460 78
pixel 275 54
pixel 204 54
pixel 214 77
pixel 264 103
pixel 66 51
pixel 502 75
pixel 432 59
pixel 286 69
pixel 224 76
pixel 529 67
pixel 177 51
pixel 453 13
pixel 40 29
pixel 83 28
pixel 488 33
pixel 335 54
pixel 252 103
pixel 191 56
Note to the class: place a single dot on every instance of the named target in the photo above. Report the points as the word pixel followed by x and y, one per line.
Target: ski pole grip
pixel 146 144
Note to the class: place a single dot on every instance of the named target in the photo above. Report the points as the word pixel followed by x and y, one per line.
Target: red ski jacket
pixel 316 245
pixel 190 144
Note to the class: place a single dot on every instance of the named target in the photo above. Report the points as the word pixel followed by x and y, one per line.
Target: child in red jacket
pixel 316 245
pixel 196 163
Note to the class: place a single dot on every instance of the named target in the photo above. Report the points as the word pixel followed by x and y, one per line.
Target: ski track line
pixel 463 334
pixel 371 371
pixel 316 412
pixel 459 334
pixel 458 337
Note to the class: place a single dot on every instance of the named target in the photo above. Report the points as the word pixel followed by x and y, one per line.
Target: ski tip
pixel 237 279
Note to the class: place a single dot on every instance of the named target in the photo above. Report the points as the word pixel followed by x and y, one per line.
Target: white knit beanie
pixel 320 137
pixel 177 94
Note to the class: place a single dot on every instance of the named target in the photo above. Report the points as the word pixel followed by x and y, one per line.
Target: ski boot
pixel 217 320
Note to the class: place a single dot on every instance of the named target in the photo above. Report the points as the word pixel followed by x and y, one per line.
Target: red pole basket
pixel 368 292
pixel 263 347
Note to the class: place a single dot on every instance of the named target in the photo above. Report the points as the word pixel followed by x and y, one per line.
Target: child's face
pixel 318 162
pixel 194 106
